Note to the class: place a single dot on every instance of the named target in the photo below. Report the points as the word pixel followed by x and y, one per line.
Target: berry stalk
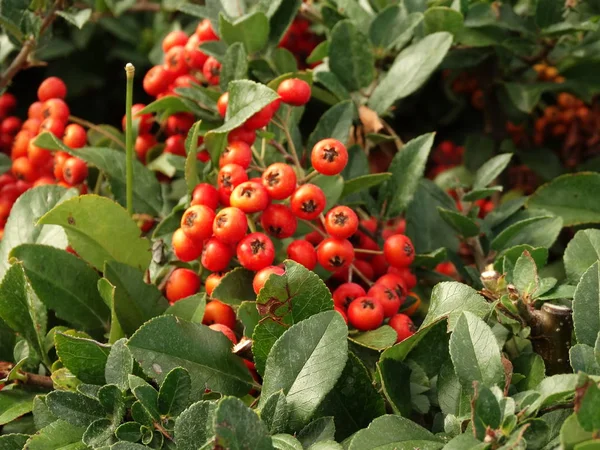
pixel 130 71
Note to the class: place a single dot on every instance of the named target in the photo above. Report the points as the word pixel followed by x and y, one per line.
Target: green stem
pixel 130 70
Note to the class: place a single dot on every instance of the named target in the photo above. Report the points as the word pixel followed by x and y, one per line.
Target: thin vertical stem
pixel 130 70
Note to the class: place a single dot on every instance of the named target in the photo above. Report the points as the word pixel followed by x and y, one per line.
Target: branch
pixel 30 379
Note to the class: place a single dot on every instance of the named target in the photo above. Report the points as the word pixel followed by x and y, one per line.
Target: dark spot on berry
pixel 221 220
pixel 330 154
pixel 257 246
pixel 336 261
pixel 273 178
pixel 226 180
pixel 247 192
pixel 190 219
pixel 309 206
pixel 408 249
pixel 340 219
pixel 390 294
pixel 275 231
pixel 367 304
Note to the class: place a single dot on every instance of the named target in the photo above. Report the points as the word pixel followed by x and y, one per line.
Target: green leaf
pixel 191 161
pixel 13 441
pixel 79 19
pixel 531 366
pixel 554 390
pixel 379 339
pixel 286 300
pixel 478 194
pixel 135 301
pixel 442 18
pixel 407 169
pixel 148 398
pixel 117 240
pixel 394 432
pixel 539 255
pixel 571 434
pixel 463 225
pixel 237 427
pixel 334 123
pixel 490 170
pixel 21 310
pixel 194 426
pixel 59 435
pixel 128 431
pixel 548 12
pixel 586 306
pixel 411 69
pixel 538 231
pixel 22 227
pixel 281 15
pixel 14 403
pixel 236 287
pixel 332 187
pixel 77 409
pixel 251 30
pixel 85 358
pixel 525 275
pixel 234 65
pixel 453 397
pixel 174 393
pixel 450 299
pixel 322 429
pixel 309 355
pixel 361 183
pixel 74 299
pixel 190 308
pixel 286 442
pixel 391 28
pixel 350 56
pixel 119 365
pixel 99 433
pixel 169 104
pixel 167 342
pixel 570 197
pixel 588 412
pixel 397 393
pixel 581 252
pixel 319 53
pixel 275 413
pixel 525 97
pixel 486 412
pixel 582 359
pixel 475 352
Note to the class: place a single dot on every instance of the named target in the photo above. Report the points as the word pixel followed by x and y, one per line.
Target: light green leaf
pixel 538 231
pixel 581 252
pixel 119 365
pixel 59 435
pixel 465 226
pixel 234 65
pixel 364 182
pixel 14 403
pixel 85 358
pixel 174 393
pixel 194 426
pixel 442 18
pixel 251 30
pixel 77 409
pixel 237 427
pixel 79 19
pixel 190 308
pixel 586 306
pixel 490 170
pixel 350 56
pixel 379 339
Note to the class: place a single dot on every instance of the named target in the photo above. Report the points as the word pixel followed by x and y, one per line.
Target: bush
pixel 274 249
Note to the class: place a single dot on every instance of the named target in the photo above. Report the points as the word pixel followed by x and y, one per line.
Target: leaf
pixel 334 123
pixel 588 412
pixel 586 306
pixel 77 409
pixel 238 427
pixel 322 429
pixel 525 97
pixel 13 441
pixel 167 342
pixel 581 252
pixel 332 187
pixel 407 169
pixel 79 19
pixel 539 255
pixel 286 300
pixel 190 308
pixel 411 69
pixel 350 56
pixel 450 299
pixel 59 435
pixel 22 227
pixel 554 390
pixel 570 197
pixel 235 287
pixel 168 105
pixel 361 183
pixel 486 412
pixel 174 393
pixel 319 53
pixel 582 359
pixel 548 13
pixel 453 397
pixel 275 413
pixel 119 365
pixel 21 310
pixel 394 432
pixel 286 442
pixel 117 240
pixel 572 434
pixel 525 275
pixel 531 366
pixel 463 225
pixel 194 426
pixel 251 30
pixel 490 170
pixel 538 231
pixel 85 358
pixel 50 272
pixel 379 339
pixel 442 18
pixel 135 301
pixel 391 28
pixel 310 355
pixel 14 403
pixel 397 393
pixel 100 432
pixel 128 431
pixel 234 65
pixel 281 18
pixel 191 160
pixel 475 353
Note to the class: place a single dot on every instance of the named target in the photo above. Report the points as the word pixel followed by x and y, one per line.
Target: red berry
pixel 173 39
pixel 216 255
pixel 75 171
pixel 230 176
pixel 230 225
pixel 279 221
pixel 205 31
pixel 280 180
pixel 365 313
pixel 197 222
pixel 156 81
pixel 205 194
pixel 242 134
pixel 185 248
pixel 394 282
pixel 143 143
pixel 181 284
pixel 175 62
pixel 341 222
pixel 399 251
pixel 250 197
pixel 263 275
pixel 194 57
pixel 237 152
pixel 54 126
pixel 256 251
pixel 308 201
pixel 222 104
pixel 329 157
pixel 387 297
pixel 294 91
pixel 31 125
pixel 56 108
pixel 8 102
pixel 262 118
pixel 303 253
pixel 335 254
pixel 346 293
pixel 409 278
pixel 75 136
pixel 175 145
pixel 342 313
pixel 23 169
pixel 403 326
pixel 228 332
pixel 52 87
pixel 11 125
pixel 212 71
pixel 218 312
pixel 212 281
pixel 179 123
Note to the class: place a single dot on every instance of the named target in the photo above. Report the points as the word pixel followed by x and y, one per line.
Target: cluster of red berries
pixel 446 155
pixel 300 40
pixel 466 83
pixel 31 165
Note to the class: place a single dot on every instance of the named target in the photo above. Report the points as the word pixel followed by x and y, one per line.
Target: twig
pixel 281 150
pixel 162 431
pixel 361 275
pixel 369 252
pixel 30 379
pixel 130 71
pixel 314 227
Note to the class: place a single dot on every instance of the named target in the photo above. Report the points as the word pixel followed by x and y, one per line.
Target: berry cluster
pixel 547 72
pixel 558 119
pixel 465 83
pixel 31 165
pixel 300 40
